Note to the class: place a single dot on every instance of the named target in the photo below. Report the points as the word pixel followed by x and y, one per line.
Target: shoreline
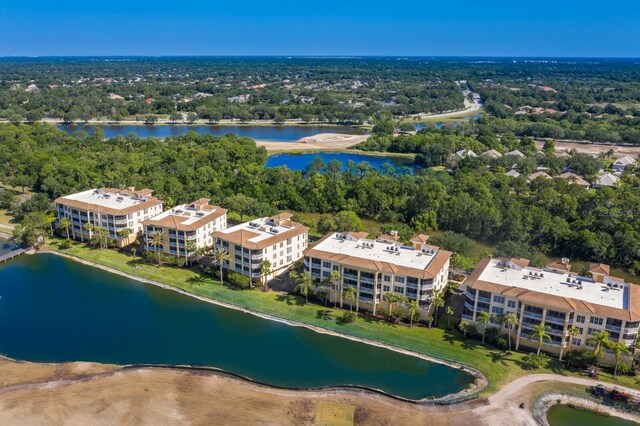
pixel 479 383
pixel 545 402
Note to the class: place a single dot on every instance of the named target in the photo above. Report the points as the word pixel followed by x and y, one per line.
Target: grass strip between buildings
pixel 435 342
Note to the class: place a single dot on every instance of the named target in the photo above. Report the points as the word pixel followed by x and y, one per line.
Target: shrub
pixel 347 317
pixel 623 368
pixel 581 358
pixel 65 244
pixel 491 334
pixel 501 342
pixel 238 280
pixel 534 361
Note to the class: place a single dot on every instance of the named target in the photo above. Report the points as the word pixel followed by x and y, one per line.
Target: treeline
pixel 553 216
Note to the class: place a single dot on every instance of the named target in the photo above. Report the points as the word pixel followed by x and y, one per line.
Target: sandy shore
pixel 478 385
pixel 322 141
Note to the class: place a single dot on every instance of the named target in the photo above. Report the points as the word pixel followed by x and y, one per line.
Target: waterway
pixel 260 133
pixel 301 161
pixel 565 415
pixel 54 310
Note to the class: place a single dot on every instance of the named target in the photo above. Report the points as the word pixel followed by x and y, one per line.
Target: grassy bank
pixel 435 342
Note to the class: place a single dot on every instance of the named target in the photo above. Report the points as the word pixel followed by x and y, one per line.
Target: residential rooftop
pixel 111 200
pixel 263 232
pixel 383 254
pixel 187 217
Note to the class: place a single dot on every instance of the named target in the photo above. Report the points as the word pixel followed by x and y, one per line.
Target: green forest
pixel 474 198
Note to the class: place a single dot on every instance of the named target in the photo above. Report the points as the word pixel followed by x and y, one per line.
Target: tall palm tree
pixel 539 332
pixel 200 251
pixel 65 223
pixel 390 298
pixel 220 255
pixel 483 318
pixel 89 228
pixel 190 250
pixel 350 294
pixel 465 326
pixel 101 234
pixel 573 332
pixel 50 219
pixel 413 310
pixel 599 341
pixel 304 285
pixel 449 313
pixel 499 319
pixel 510 320
pixel 334 278
pixel 265 271
pixel 618 349
pixel 124 233
pixel 438 302
pixel 157 239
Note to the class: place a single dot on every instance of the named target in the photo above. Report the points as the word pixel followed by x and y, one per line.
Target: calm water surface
pixel 301 161
pixel 564 415
pixel 54 310
pixel 262 133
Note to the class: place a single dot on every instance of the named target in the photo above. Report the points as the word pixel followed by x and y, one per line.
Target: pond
pixel 439 124
pixel 301 161
pixel 565 415
pixel 54 310
pixel 260 133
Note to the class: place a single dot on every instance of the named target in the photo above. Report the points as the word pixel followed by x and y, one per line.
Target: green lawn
pixel 435 342
pixel 6 218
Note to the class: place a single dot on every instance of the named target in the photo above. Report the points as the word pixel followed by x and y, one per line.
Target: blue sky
pixel 235 27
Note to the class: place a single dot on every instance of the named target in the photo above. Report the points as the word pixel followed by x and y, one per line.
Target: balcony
pixel 613 328
pixel 532 315
pixel 630 330
pixel 366 280
pixel 468 305
pixel 350 276
pixel 628 342
pixel 484 299
pixel 554 320
pixel 467 317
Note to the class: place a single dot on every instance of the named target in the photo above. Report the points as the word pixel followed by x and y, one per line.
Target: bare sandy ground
pixel 593 148
pixel 322 141
pixel 95 394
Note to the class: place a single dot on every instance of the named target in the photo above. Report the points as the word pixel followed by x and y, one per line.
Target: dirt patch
pixel 322 141
pixel 593 148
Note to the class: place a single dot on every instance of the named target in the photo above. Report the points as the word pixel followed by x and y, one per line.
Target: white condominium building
pixel 557 298
pixel 113 210
pixel 185 228
pixel 277 239
pixel 375 267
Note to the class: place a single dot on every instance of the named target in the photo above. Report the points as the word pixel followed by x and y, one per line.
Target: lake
pixel 54 310
pixel 301 161
pixel 260 133
pixel 565 415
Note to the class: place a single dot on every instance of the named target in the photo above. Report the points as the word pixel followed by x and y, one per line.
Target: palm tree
pixel 101 235
pixel 265 271
pixel 134 251
pixel 499 319
pixel 599 341
pixel 438 302
pixel 89 228
pixel 304 285
pixel 465 326
pixel 539 332
pixel 413 310
pixel 65 223
pixel 483 318
pixel 449 315
pixel 618 349
pixel 334 278
pixel 200 251
pixel 50 219
pixel 191 247
pixel 573 332
pixel 350 294
pixel 390 298
pixel 510 320
pixel 220 255
pixel 157 239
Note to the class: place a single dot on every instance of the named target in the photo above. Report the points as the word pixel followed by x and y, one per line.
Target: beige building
pixel 378 266
pixel 557 298
pixel 184 224
pixel 114 210
pixel 277 239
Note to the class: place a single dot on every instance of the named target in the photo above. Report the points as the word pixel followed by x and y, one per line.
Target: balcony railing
pixel 554 320
pixel 614 328
pixel 630 330
pixel 484 299
pixel 351 276
pixel 467 317
pixel 532 315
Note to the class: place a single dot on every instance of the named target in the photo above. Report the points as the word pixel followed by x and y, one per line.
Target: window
pixel 581 329
pixel 326 264
pixel 511 303
pixel 595 320
pixel 580 319
pixel 400 280
pixel 336 267
pixel 387 279
pixel 398 289
pixel 576 342
pixel 386 288
pixel 497 310
pixel 498 299
pixel 590 331
pixel 282 244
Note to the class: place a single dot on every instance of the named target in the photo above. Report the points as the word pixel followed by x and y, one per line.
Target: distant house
pixel 513 173
pixel 515 153
pixel 492 153
pixel 536 175
pixel 463 153
pixel 606 180
pixel 575 179
pixel 622 163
